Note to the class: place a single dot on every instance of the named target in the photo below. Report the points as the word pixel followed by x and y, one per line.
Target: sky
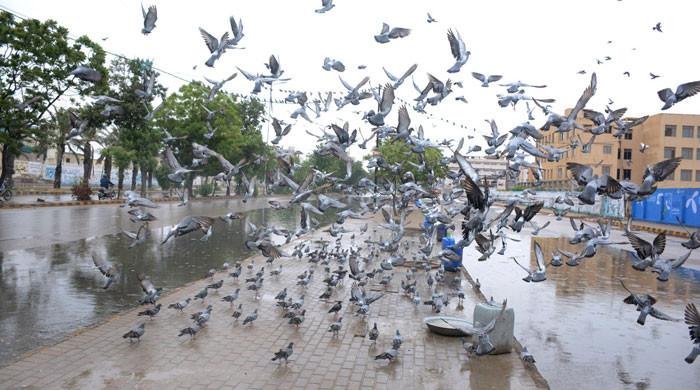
pixel 536 41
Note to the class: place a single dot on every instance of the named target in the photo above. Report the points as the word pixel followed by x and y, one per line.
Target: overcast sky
pixel 542 42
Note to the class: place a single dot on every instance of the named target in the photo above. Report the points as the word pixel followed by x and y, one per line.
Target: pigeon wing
pixel 687 90
pixel 539 255
pixel 211 42
pixel 642 247
pixel 585 97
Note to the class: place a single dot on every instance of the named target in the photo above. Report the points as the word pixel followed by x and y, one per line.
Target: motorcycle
pixel 106 194
pixel 5 193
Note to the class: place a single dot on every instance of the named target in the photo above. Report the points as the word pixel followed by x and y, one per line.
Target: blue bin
pixel 452 266
pixel 426 223
pixel 441 232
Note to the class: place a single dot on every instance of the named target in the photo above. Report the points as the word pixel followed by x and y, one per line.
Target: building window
pixel 617 174
pixel 619 151
pixel 627 154
pixel 561 137
pixel 686 175
pixel 626 174
pixel 672 176
pixel 67 160
pixel 688 131
pixel 669 152
pixel 606 169
pixel 670 131
pixel 697 175
pixel 628 135
pixel 697 154
pixel 560 172
pixel 607 149
pixel 687 153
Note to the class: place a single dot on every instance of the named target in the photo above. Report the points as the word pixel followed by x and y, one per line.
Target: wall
pixel 668 204
pixel 71 173
pixel 604 206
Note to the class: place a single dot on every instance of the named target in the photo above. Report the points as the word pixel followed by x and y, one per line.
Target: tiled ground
pixel 229 355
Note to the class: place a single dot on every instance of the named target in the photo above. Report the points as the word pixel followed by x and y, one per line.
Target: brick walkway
pixel 228 355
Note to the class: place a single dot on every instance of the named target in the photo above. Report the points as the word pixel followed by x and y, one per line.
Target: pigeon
pixel 85 73
pixel 431 19
pixel 459 51
pixel 251 317
pixel 397 340
pixel 136 332
pixel 654 76
pixel 692 319
pixel 336 308
pixel 216 47
pixel 374 334
pixel 388 34
pixel 202 294
pixel 399 80
pixel 657 27
pixel 683 91
pixel 287 352
pixel 536 229
pixel 216 87
pixel 483 346
pixel 539 274
pixel 190 331
pixel 231 297
pixel 326 5
pixel 149 19
pixel 526 356
pixel 486 80
pixel 238 312
pixel 643 147
pixel 152 312
pixel 298 319
pixel 279 131
pixel 644 304
pixel 556 260
pixel 190 224
pixel 330 64
pixel 180 305
pixel 389 355
pixel 335 327
pixel 107 268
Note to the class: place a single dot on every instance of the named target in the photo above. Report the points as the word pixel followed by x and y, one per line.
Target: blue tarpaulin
pixel 667 205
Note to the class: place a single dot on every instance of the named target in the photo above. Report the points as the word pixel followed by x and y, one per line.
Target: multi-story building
pixel 667 136
pixel 490 169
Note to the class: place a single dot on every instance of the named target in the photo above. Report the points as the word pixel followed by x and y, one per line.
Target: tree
pixel 136 133
pixel 328 163
pixel 35 67
pixel 400 152
pixel 184 115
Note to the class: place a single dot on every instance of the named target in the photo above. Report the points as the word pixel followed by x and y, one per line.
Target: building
pixel 491 169
pixel 667 135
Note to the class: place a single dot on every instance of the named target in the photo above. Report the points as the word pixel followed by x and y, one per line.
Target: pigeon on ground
pixel 335 327
pixel 180 305
pixel 136 332
pixel 190 331
pixel 284 353
pixel 238 312
pixel 389 355
pixel 526 356
pixel 251 317
pixel 152 312
pixel 374 334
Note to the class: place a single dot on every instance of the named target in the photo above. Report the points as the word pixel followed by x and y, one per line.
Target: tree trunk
pixel 59 165
pixel 150 179
pixel 144 179
pixel 188 184
pixel 108 166
pixel 228 188
pixel 134 173
pixel 120 181
pixel 87 162
pixel 8 166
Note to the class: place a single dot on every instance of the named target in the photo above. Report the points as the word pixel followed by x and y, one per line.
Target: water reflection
pixel 51 291
pixel 581 332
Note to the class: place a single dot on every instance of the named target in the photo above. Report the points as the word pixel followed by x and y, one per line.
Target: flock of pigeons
pixel 463 194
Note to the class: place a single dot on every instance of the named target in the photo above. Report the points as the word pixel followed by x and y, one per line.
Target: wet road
pixel 30 228
pixel 581 333
pixel 50 288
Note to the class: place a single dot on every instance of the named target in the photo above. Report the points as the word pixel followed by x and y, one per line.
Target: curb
pixel 11 206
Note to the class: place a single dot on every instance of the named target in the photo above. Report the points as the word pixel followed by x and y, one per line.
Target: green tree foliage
pixel 184 115
pixel 328 163
pixel 400 152
pixel 37 58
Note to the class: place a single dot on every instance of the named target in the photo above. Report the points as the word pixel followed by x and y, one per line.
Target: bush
pixel 205 189
pixel 82 191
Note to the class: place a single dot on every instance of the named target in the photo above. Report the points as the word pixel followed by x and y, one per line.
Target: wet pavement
pixel 581 333
pixel 226 354
pixel 49 291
